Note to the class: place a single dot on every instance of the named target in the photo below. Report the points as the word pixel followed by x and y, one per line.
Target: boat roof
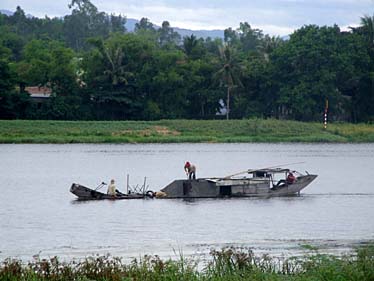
pixel 268 171
pixel 253 172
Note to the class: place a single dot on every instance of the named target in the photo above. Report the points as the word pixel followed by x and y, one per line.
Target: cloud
pixel 276 30
pixel 207 17
pixel 275 17
pixel 38 8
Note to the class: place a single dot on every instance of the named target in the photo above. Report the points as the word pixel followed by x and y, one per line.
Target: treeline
pixel 99 71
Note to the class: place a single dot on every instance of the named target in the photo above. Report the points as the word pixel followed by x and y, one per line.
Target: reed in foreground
pixel 226 264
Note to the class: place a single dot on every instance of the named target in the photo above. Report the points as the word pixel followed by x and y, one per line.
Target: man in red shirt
pixel 190 170
pixel 290 178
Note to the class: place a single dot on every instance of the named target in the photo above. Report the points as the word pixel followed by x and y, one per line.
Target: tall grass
pixel 226 264
pixel 174 131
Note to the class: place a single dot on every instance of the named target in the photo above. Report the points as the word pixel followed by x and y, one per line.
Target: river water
pixel 39 216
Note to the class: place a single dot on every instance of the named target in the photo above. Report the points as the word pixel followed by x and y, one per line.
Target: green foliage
pixel 229 72
pixel 152 74
pixel 86 21
pixel 47 62
pixel 6 79
pixel 310 59
pixel 167 37
pixel 226 264
pixel 14 105
pixel 168 131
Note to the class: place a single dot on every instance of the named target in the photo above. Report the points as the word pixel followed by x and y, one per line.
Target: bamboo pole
pixel 325 115
pixel 254 170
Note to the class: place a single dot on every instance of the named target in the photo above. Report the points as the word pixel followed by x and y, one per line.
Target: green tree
pixel 189 43
pixel 12 104
pixel 367 29
pixel 231 36
pixel 253 99
pixel 363 98
pixel 268 44
pixel 48 63
pixel 229 72
pixel 62 74
pixel 86 21
pixel 12 42
pixel 305 71
pixel 193 47
pixel 144 25
pixel 202 96
pixel 34 68
pixel 117 76
pixel 20 22
pixel 164 83
pixel 113 54
pixel 167 35
pixel 249 38
pixel 6 77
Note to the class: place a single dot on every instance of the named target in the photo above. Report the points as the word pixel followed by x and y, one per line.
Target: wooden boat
pixel 257 183
pixel 85 193
pixel 267 182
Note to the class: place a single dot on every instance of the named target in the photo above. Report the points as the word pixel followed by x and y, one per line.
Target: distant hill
pixel 216 33
pixel 9 13
pixel 130 26
pixel 6 12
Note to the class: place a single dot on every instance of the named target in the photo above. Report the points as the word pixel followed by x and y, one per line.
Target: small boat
pixel 257 183
pixel 85 193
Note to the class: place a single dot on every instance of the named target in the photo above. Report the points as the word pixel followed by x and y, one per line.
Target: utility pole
pixel 325 115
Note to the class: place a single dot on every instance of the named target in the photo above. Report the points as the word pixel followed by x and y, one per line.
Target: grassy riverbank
pixel 175 131
pixel 228 264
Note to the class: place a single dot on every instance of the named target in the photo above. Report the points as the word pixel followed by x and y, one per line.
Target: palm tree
pixel 229 72
pixel 113 54
pixel 144 24
pixel 189 43
pixel 367 27
pixel 167 34
pixel 117 71
pixel 268 45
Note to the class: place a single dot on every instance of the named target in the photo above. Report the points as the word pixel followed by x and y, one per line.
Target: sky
pixel 274 17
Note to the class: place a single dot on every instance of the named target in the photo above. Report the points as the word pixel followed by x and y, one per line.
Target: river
pixel 39 216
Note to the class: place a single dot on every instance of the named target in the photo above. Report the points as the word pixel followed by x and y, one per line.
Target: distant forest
pixel 96 70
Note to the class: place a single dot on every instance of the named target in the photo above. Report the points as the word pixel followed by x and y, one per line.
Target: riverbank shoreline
pixel 224 264
pixel 182 131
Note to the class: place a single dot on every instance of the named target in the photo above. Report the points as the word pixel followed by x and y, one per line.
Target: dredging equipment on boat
pixel 132 192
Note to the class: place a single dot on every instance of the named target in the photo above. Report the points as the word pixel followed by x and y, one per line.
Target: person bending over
pixel 190 170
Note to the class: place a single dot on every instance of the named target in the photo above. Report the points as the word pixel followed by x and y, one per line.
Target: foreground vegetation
pixel 175 131
pixel 227 264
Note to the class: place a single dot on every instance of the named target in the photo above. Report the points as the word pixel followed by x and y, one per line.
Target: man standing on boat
pixel 190 170
pixel 112 188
